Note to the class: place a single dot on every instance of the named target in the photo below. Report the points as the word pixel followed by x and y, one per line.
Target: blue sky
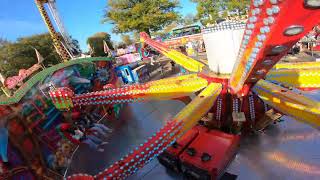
pixel 81 18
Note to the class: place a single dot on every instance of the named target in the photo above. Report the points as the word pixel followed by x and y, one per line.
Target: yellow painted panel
pixel 300 78
pixel 198 107
pixel 299 65
pixel 185 61
pixel 293 104
pixel 171 89
pixel 165 89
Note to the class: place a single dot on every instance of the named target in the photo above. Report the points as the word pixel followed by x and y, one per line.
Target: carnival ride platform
pixel 286 150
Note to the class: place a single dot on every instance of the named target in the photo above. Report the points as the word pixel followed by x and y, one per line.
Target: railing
pixel 41 76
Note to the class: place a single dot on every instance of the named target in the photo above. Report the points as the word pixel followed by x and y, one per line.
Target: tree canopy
pixel 21 54
pixel 239 6
pixel 140 15
pixel 189 19
pixel 209 11
pixel 3 42
pixel 126 39
pixel 96 43
pixel 76 50
pixel 136 36
pixel 166 30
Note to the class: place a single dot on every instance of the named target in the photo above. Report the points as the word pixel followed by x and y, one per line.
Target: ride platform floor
pixel 286 150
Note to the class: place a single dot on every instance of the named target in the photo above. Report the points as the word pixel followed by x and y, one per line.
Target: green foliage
pixel 136 37
pixel 140 15
pixel 96 43
pixel 20 54
pixel 3 42
pixel 209 11
pixel 126 39
pixel 189 19
pixel 121 45
pixel 76 50
pixel 166 30
pixel 170 27
pixel 239 6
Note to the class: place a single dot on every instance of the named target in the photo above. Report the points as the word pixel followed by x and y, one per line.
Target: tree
pixel 189 19
pixel 21 54
pixel 239 6
pixel 3 42
pixel 126 39
pixel 209 11
pixel 170 27
pixel 96 43
pixel 140 15
pixel 165 32
pixel 76 46
pixel 136 36
pixel 121 45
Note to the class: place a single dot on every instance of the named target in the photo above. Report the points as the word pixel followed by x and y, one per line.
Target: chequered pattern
pixel 61 98
pixel 227 25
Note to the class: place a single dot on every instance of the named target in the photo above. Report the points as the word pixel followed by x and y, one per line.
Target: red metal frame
pixel 269 35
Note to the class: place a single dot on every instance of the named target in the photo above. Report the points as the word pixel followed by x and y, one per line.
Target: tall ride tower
pixel 57 41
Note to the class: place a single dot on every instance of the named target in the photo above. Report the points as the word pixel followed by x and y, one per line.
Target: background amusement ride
pixel 235 102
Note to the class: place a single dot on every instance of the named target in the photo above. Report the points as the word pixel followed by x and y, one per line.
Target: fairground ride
pixel 273 27
pixel 61 40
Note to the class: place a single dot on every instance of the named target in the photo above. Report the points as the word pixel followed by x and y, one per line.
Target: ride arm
pixel 298 78
pixel 297 65
pixel 288 102
pixel 272 29
pixel 165 89
pixel 162 139
pixel 181 59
